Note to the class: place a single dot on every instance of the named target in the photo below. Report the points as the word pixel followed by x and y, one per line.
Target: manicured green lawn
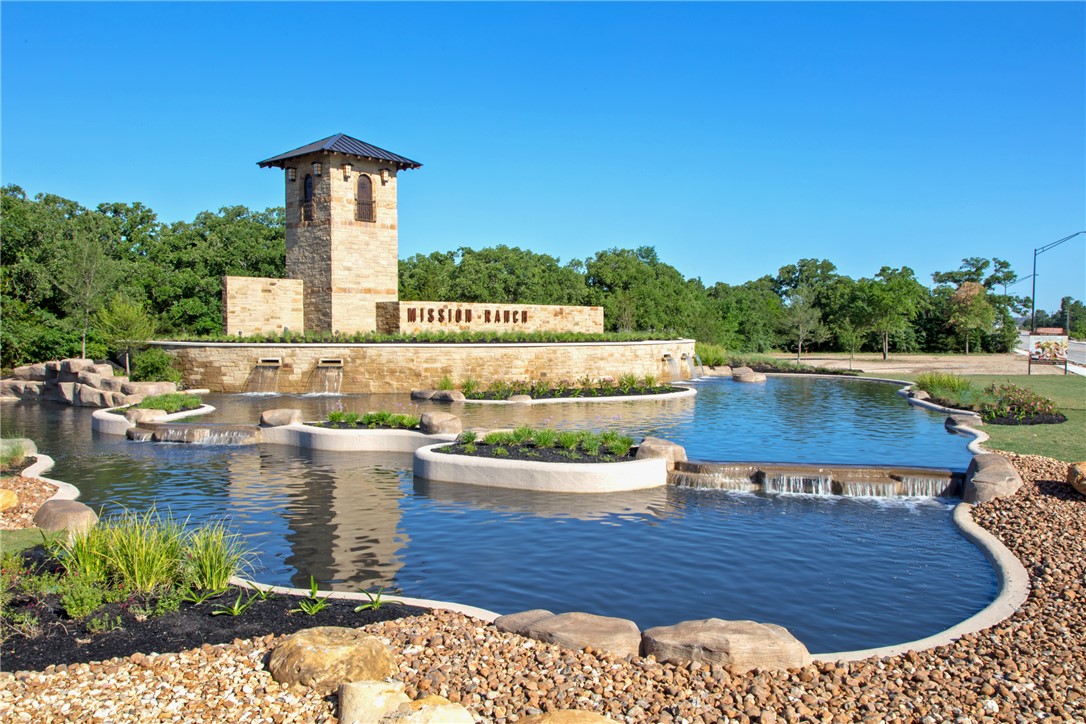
pixel 1066 441
pixel 13 541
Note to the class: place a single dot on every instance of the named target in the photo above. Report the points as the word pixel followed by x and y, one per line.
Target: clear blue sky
pixel 735 138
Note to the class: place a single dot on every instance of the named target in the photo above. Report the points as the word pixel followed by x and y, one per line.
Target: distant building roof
pixel 342 143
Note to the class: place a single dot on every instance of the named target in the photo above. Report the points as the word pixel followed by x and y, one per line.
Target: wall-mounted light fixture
pixel 346 172
pixel 292 174
pixel 384 176
pixel 316 168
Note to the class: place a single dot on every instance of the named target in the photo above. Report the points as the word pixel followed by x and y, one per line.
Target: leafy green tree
pixel 802 320
pixel 970 310
pixel 894 298
pixel 125 324
pixel 84 272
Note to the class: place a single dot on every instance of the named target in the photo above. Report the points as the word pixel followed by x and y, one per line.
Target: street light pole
pixel 1033 296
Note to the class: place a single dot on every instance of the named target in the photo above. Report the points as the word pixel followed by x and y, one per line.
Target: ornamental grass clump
pixel 171 402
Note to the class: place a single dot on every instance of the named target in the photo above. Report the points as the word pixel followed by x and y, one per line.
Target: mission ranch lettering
pixel 444 315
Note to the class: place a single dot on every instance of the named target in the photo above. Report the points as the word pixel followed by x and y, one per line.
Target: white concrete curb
pixel 687 392
pixel 300 434
pixel 479 613
pixel 1013 591
pixel 65 491
pixel 111 423
pixel 540 476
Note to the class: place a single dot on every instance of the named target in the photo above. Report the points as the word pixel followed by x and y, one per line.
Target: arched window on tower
pixel 364 210
pixel 307 198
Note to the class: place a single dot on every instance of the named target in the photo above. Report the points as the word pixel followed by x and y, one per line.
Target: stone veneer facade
pixel 366 368
pixel 348 265
pixel 413 317
pixel 253 304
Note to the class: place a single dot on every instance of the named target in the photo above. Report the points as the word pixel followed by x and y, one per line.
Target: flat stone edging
pixel 540 476
pixel 686 392
pixel 480 613
pixel 1013 590
pixel 111 423
pixel 65 491
pixel 363 440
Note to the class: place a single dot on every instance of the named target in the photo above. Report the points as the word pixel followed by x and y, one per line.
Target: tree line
pixel 75 279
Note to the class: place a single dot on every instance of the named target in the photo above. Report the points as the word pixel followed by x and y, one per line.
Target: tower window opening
pixel 364 210
pixel 307 199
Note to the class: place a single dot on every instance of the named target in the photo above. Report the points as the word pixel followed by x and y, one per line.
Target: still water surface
pixel 839 573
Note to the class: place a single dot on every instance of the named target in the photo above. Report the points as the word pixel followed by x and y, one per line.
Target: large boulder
pixel 8 499
pixel 15 446
pixel 57 515
pixel 23 389
pixel 655 447
pixel 148 388
pixel 325 657
pixel 431 709
pixel 87 396
pixel 440 423
pixel 66 392
pixel 1076 476
pixel 422 394
pixel 519 399
pixel 104 369
pixel 74 365
pixel 448 396
pixel 136 415
pixel 990 476
pixel 520 622
pixel 750 376
pixel 362 702
pixel 113 384
pixel 280 416
pixel 739 645
pixel 88 376
pixel 580 630
pixel 35 372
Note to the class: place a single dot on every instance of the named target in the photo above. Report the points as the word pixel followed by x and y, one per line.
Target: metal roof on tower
pixel 341 143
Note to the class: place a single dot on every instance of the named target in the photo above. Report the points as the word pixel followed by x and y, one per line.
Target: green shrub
pixel 212 556
pixel 568 439
pixel 12 453
pixel 154 365
pixel 711 355
pixel 81 596
pixel 469 386
pixel 522 435
pixel 590 443
pixel 946 383
pixel 545 437
pixel 446 383
pixel 1015 403
pixel 171 402
pixel 498 438
pixel 468 436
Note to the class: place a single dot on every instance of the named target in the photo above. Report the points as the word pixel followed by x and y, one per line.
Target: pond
pixel 840 573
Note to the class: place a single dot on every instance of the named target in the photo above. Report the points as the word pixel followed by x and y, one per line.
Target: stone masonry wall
pixel 254 305
pixel 348 265
pixel 412 317
pixel 228 367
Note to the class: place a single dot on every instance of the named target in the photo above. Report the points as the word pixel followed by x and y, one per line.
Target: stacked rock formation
pixel 79 382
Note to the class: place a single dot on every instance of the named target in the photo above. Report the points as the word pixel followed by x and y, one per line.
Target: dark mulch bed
pixel 584 393
pixel 64 641
pixel 531 453
pixel 1041 419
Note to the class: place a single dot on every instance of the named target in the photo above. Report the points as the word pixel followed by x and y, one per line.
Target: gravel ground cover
pixel 1028 668
pixel 32 493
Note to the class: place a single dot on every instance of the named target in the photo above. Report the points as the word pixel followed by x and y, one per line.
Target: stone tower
pixel 341 229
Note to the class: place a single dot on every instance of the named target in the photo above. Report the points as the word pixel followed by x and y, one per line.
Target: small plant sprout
pixel 314 604
pixel 236 608
pixel 196 597
pixel 375 601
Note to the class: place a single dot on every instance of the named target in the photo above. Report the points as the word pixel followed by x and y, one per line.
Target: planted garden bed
pixel 142 583
pixel 997 404
pixel 382 420
pixel 548 446
pixel 624 386
pixel 171 402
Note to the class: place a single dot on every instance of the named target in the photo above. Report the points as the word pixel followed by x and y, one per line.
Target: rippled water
pixel 839 573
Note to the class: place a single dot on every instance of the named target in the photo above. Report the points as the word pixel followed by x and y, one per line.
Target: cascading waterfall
pixel 929 487
pixel 700 366
pixel 744 478
pixel 206 434
pixel 798 483
pixel 690 366
pixel 325 379
pixel 673 368
pixel 869 489
pixel 264 379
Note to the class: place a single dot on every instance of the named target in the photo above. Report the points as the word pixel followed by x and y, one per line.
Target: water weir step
pixel 849 480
